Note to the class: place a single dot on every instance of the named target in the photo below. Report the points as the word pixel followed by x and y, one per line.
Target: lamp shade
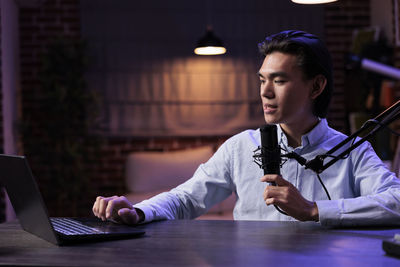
pixel 311 2
pixel 209 44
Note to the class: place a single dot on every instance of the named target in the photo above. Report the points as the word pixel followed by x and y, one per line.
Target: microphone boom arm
pixel 380 121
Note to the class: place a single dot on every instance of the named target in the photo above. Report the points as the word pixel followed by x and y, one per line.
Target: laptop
pixel 23 191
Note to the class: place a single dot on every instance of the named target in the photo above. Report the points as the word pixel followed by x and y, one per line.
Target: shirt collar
pixel 313 137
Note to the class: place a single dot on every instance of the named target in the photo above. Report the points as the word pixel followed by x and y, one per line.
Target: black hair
pixel 312 57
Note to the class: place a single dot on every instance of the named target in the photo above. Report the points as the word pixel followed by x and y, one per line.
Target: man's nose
pixel 267 90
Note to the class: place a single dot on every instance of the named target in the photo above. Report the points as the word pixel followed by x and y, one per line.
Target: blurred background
pixel 86 84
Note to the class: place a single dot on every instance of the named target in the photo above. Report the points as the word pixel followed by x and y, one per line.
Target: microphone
pixel 270 153
pixel 270 150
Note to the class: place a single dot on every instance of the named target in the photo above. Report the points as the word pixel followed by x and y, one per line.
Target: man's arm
pixel 377 194
pixel 210 184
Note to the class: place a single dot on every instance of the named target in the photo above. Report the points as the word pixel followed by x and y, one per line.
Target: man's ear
pixel 319 84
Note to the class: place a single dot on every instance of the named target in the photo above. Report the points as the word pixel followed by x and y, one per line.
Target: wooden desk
pixel 209 243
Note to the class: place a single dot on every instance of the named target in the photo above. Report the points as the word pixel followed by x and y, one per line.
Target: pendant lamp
pixel 210 44
pixel 311 2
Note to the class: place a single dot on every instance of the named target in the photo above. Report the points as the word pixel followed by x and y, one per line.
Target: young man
pixel 295 89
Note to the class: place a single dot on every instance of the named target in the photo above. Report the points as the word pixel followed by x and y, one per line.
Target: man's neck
pixel 295 131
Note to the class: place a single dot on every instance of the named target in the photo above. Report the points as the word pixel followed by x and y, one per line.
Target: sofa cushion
pixel 151 173
pixel 157 171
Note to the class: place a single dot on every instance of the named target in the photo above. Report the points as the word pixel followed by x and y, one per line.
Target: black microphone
pixel 270 153
pixel 270 150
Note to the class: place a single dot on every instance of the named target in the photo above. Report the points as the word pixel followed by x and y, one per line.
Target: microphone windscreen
pixel 270 150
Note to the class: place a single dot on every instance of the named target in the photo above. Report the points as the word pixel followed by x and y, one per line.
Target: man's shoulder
pixel 334 137
pixel 248 138
pixel 332 133
pixel 247 135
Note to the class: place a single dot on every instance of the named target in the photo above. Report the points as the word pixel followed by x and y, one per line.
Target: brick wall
pixel 341 18
pixel 40 24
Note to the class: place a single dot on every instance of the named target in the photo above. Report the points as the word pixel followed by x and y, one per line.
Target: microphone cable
pixel 302 161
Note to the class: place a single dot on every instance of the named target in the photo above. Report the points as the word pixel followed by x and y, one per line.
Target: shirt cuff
pixel 329 212
pixel 148 213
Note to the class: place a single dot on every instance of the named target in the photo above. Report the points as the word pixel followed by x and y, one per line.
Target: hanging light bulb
pixel 209 44
pixel 311 2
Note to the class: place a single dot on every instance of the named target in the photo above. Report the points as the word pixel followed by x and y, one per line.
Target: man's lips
pixel 269 108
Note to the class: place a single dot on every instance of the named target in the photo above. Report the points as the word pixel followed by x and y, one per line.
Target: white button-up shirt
pixel 363 190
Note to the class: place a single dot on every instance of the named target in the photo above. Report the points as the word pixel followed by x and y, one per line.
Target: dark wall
pixel 142 62
pixel 39 26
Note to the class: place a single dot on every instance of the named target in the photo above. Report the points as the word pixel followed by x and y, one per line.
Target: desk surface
pixel 209 243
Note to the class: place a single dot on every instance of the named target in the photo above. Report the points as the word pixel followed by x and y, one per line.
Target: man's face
pixel 285 94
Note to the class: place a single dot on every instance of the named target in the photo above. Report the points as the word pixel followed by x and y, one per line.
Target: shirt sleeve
pixel 210 184
pixel 377 200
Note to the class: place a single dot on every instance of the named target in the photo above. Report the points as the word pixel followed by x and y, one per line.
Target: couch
pixel 151 173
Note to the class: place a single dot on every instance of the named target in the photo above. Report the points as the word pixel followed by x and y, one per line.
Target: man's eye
pixel 279 81
pixel 262 81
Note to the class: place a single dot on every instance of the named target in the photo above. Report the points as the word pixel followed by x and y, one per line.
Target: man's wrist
pixel 314 212
pixel 140 214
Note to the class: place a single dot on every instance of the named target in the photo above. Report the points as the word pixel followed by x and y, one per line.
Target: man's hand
pixel 289 199
pixel 117 209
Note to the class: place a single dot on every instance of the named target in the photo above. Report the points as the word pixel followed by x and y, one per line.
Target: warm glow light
pixel 210 50
pixel 310 2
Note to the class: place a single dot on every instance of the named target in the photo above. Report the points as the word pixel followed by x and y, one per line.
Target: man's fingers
pixel 116 204
pixel 110 208
pixel 288 198
pixel 275 194
pixel 276 178
pixel 128 216
pixel 95 208
pixel 100 206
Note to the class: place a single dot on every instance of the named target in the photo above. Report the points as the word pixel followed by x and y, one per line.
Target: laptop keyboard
pixel 68 226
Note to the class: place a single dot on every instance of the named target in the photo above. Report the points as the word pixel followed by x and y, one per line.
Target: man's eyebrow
pixel 274 75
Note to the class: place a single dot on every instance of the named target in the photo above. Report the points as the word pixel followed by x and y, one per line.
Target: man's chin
pixel 270 120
